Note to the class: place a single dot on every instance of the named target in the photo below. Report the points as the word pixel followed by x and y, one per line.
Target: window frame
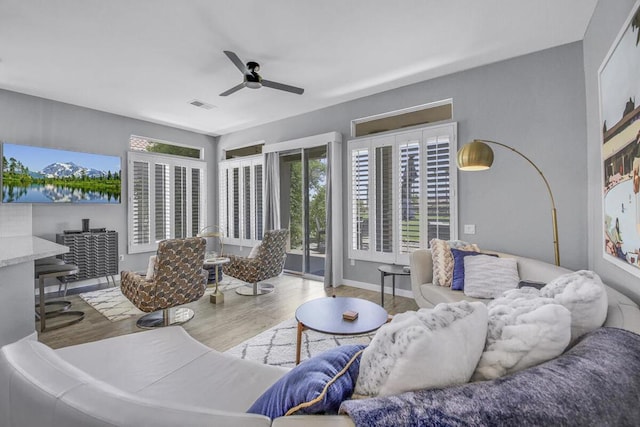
pixel 152 159
pixel 395 140
pixel 226 190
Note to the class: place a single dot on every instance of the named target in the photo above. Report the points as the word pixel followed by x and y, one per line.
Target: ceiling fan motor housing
pixel 252 78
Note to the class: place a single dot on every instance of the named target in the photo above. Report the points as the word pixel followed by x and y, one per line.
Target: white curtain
pixel 272 191
pixel 328 256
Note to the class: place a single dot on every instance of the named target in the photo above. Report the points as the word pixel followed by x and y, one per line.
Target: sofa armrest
pixel 421 265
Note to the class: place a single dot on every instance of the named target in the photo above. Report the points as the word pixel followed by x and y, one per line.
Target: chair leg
pixel 166 317
pixel 255 289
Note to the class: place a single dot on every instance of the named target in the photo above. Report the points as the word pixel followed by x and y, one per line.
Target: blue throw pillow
pixel 457 282
pixel 317 385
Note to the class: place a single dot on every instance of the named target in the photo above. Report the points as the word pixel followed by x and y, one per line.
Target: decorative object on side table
pixel 478 156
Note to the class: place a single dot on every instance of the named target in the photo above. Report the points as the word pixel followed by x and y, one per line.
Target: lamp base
pixel 216 298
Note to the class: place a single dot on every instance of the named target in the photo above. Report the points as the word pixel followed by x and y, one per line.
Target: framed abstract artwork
pixel 619 81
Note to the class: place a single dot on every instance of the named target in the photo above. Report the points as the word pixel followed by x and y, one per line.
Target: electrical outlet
pixel 120 257
pixel 353 262
pixel 469 229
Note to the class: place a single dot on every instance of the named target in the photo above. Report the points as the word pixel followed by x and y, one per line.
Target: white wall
pixel 536 104
pixel 35 121
pixel 608 19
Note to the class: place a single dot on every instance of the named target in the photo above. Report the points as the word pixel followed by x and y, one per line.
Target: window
pixel 166 198
pixel 241 189
pixel 402 193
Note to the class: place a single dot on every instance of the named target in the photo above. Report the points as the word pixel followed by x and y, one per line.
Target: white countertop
pixel 19 249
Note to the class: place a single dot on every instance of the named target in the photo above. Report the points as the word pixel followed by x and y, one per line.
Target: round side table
pixel 393 271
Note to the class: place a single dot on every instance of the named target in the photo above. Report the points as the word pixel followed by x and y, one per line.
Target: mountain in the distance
pixel 58 170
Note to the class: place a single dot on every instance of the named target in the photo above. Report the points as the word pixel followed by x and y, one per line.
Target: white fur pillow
pixel 584 295
pixel 429 348
pixel 524 330
pixel 486 276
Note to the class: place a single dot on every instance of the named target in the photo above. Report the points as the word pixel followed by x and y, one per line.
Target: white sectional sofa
pixel 622 313
pixel 166 378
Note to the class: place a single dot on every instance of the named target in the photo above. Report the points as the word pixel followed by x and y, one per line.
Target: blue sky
pixel 37 158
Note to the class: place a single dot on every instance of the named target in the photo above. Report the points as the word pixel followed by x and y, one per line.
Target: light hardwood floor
pixel 225 325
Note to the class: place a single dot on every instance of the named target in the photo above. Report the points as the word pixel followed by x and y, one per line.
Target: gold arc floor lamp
pixel 477 156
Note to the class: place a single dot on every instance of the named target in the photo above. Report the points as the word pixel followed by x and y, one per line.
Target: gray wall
pixel 35 121
pixel 604 27
pixel 534 103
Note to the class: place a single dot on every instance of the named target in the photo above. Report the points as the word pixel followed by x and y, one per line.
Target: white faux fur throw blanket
pixel 524 330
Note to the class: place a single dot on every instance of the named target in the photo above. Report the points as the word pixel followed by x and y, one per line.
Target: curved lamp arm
pixel 468 155
pixel 215 231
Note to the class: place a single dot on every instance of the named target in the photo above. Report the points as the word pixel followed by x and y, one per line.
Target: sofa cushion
pixel 595 383
pixel 584 295
pixel 132 363
pixel 524 330
pixel 318 385
pixel 457 281
pixel 443 260
pixel 488 277
pixel 428 348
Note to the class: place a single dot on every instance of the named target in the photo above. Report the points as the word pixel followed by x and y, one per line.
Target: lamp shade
pixel 475 156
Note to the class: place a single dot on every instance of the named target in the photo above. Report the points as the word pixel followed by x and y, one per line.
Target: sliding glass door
pixel 303 179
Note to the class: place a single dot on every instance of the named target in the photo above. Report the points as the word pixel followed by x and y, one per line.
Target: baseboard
pixel 371 287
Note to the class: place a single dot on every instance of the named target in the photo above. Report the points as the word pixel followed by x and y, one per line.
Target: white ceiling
pixel 148 59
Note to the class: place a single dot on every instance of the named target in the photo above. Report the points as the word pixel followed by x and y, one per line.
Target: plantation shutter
pixel 235 194
pixel 162 202
pixel 180 202
pixel 402 193
pixel 223 195
pixel 438 187
pixel 196 219
pixel 165 199
pixel 241 200
pixel 258 202
pixel 360 199
pixel 246 202
pixel 384 198
pixel 409 162
pixel 140 203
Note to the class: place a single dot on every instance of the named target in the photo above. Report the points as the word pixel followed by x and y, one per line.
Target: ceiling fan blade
pixel 233 89
pixel 236 61
pixel 282 86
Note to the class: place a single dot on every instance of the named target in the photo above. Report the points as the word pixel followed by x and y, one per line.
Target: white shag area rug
pixel 277 345
pixel 114 306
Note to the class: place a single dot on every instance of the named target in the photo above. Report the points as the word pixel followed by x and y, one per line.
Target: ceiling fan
pixel 253 80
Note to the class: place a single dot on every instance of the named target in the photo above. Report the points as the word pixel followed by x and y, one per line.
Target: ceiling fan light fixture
pixel 253 85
